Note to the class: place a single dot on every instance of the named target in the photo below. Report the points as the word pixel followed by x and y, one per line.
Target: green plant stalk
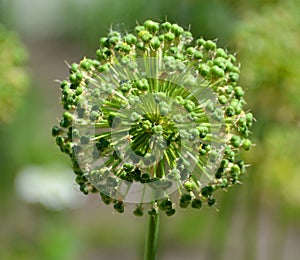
pixel 152 237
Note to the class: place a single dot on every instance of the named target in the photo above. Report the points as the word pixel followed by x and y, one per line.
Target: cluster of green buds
pixel 13 76
pixel 156 119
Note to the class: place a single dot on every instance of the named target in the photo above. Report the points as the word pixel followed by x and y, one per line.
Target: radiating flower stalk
pixel 156 119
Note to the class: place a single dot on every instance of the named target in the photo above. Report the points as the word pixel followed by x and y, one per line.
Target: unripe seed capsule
pixel 185 200
pixel 210 45
pixel 222 99
pixel 176 29
pixel 119 206
pixel 230 111
pixel 196 203
pixel 235 169
pixel 234 77
pixel 103 41
pixel 217 71
pixel 198 55
pixel 235 141
pixel 221 53
pixel 138 212
pixel 56 131
pixel 246 144
pixel 166 26
pixel 200 42
pixel 249 117
pixel 155 43
pixel 211 202
pixel 206 191
pixel 130 39
pixel 74 67
pixel 238 92
pixel 169 36
pixel 170 212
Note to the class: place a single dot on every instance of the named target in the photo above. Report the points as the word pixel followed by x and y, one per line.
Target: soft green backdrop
pixel 257 220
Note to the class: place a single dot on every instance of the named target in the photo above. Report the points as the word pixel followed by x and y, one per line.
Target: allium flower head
pixel 155 119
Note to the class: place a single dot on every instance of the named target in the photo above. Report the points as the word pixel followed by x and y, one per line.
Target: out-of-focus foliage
pixel 269 43
pixel 13 76
pixel 211 19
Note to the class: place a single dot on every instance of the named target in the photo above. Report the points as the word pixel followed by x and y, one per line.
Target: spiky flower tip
pixel 155 119
pixel 13 76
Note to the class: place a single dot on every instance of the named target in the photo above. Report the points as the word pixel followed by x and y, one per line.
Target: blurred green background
pixel 44 216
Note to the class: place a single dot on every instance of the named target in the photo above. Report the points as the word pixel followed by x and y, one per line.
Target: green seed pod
pixel 203 131
pixel 239 92
pixel 209 45
pixel 139 28
pixel 119 206
pixel 73 69
pixel 234 77
pixel 235 141
pixel 166 26
pixel 138 212
pixel 103 41
pixel 170 212
pixel 249 118
pixel 190 51
pixel 65 123
pixel 155 43
pixel 235 169
pixel 219 173
pixel 222 99
pixel 196 203
pixel 151 26
pixel 230 111
pixel 85 65
pixel 217 72
pixel 59 140
pixel 198 55
pixel 224 163
pixel 153 211
pixel 165 204
pixel 221 53
pixel 145 36
pixel 220 62
pixel 211 202
pixel 176 29
pixel 200 42
pixel 169 37
pixel 204 70
pixel 73 78
pixel 189 186
pixel 185 200
pixel 79 91
pixel 246 144
pixel 56 131
pixel 130 39
pixel 207 191
pixel 68 116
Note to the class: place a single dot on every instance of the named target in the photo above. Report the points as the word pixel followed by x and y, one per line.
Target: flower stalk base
pixel 152 237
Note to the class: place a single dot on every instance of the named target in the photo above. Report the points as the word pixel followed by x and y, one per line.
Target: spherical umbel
pixel 156 119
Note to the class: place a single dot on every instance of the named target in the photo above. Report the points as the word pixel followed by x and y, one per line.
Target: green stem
pixel 152 238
